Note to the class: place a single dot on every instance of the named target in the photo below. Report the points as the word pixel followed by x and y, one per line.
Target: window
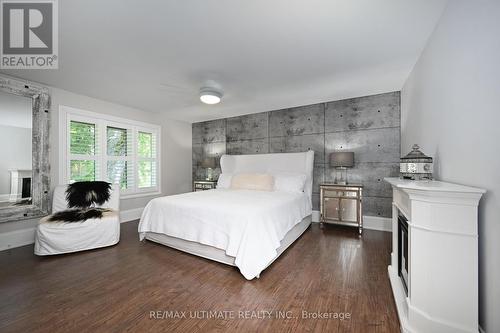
pixel 107 148
pixel 145 153
pixel 83 151
pixel 119 156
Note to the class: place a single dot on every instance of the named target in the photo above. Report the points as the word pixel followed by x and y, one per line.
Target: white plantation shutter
pixel 119 157
pixel 154 174
pixel 147 159
pixel 131 183
pixel 115 150
pixel 84 150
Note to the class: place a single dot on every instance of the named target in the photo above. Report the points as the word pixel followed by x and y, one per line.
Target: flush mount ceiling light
pixel 210 95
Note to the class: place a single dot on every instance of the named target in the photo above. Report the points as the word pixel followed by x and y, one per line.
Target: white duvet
pixel 248 225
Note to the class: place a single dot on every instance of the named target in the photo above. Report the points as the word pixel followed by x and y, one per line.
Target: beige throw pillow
pixel 252 181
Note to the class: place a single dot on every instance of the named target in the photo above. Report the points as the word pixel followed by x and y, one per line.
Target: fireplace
pixel 403 258
pixel 20 184
pixel 433 271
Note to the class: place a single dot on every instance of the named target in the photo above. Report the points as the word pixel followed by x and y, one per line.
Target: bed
pixel 244 228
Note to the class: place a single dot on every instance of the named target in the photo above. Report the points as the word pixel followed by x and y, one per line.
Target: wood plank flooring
pixel 118 289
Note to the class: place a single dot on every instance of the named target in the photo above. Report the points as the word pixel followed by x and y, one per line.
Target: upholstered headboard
pixel 268 163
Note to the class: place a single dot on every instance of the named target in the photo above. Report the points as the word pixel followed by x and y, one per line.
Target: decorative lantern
pixel 416 165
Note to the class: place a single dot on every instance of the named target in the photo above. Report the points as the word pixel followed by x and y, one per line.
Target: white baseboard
pixel 17 238
pixel 22 237
pixel 369 222
pixel 315 216
pixel 4 197
pixel 377 223
pixel 131 214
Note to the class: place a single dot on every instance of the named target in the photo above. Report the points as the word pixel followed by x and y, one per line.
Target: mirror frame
pixel 40 181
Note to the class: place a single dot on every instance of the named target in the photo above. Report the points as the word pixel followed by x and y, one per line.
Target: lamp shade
pixel 342 159
pixel 208 162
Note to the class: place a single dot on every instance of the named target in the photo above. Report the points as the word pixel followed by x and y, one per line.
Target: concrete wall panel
pixel 257 146
pixel 377 111
pixel 297 121
pixel 378 145
pixel 249 127
pixel 300 143
pixel 209 131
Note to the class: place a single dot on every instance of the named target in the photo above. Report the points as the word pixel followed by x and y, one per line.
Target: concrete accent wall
pixel 369 126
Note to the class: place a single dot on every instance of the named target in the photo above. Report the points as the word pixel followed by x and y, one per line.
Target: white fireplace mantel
pixel 443 256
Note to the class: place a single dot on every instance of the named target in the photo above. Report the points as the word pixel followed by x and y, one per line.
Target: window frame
pixel 102 121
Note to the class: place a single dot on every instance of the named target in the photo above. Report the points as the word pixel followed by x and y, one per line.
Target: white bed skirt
pixel 213 253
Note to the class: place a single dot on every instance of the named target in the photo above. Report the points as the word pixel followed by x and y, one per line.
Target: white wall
pixel 451 107
pixel 15 110
pixel 175 151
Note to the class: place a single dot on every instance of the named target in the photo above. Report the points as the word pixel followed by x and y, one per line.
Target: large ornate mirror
pixel 24 162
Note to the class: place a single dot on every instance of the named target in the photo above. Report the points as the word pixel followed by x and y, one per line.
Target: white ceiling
pixel 155 55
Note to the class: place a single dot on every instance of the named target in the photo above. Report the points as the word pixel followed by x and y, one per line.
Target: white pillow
pixel 289 182
pixel 224 180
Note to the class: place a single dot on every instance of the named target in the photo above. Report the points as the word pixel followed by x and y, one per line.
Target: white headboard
pixel 266 163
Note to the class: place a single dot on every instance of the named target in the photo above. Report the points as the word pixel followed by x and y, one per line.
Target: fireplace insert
pixel 403 258
pixel 26 188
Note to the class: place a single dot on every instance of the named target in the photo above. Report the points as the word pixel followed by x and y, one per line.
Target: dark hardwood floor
pixel 116 289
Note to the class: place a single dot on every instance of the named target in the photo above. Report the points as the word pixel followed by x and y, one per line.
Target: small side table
pixel 203 185
pixel 341 204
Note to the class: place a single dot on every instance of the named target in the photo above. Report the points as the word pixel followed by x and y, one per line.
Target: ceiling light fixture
pixel 210 95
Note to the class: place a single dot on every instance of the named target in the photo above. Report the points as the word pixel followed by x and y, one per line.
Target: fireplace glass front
pixel 403 258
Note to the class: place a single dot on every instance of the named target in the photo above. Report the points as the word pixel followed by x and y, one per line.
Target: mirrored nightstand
pixel 203 185
pixel 341 204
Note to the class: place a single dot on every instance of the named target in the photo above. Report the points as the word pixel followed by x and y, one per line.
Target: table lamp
pixel 209 164
pixel 341 161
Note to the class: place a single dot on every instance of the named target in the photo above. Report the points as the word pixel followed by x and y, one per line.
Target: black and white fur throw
pixel 78 215
pixel 82 197
pixel 87 194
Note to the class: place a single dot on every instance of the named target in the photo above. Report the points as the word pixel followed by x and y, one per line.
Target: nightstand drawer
pixel 351 194
pixel 202 185
pixel 333 193
pixel 340 194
